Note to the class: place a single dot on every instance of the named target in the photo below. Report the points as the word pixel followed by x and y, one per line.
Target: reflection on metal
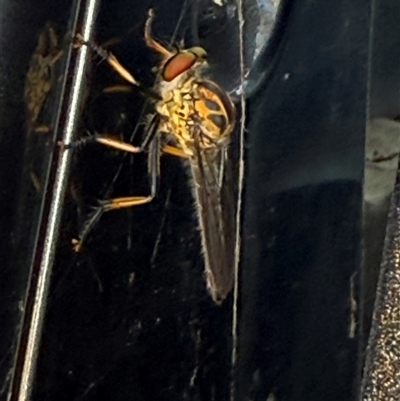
pixel 41 81
pixel 40 77
pixel 263 15
pixel 381 381
pixel 38 293
pixel 267 11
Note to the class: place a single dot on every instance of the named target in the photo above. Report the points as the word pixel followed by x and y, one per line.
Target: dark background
pixel 129 317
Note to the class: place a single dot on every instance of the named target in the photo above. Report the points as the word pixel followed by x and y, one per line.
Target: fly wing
pixel 214 199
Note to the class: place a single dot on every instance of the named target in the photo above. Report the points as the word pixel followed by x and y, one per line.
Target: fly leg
pixel 150 143
pixel 118 67
pixel 113 61
pixel 174 151
pixel 103 140
pixel 110 58
pixel 151 42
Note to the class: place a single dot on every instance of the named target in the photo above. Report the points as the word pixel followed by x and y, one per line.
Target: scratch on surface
pixel 196 368
pixel 272 397
pixel 131 278
pixel 353 308
pixel 96 277
pixel 160 230
pixel 90 387
pixel 7 382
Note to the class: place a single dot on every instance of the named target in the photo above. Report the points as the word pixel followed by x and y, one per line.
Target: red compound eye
pixel 182 62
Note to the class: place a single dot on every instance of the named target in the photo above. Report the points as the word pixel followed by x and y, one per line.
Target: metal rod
pixel 54 218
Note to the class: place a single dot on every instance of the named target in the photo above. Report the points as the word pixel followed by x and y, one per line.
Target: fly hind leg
pixel 152 143
pixel 105 206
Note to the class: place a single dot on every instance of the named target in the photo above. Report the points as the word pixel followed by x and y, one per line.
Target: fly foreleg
pixel 110 58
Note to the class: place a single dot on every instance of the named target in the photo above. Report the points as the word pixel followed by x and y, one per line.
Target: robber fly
pixel 193 120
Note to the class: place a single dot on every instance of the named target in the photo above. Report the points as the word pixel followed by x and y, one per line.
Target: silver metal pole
pixel 54 218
